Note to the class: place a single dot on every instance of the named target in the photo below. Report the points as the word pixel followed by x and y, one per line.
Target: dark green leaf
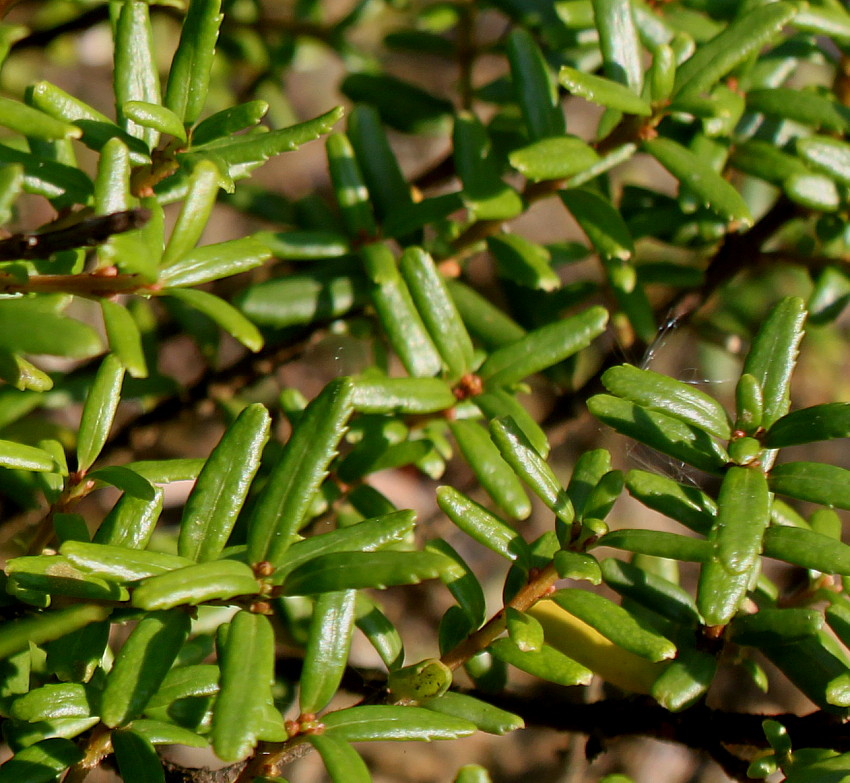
pixel 534 87
pixel 389 722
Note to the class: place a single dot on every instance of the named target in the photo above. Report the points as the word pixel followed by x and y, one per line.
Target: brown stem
pixel 92 285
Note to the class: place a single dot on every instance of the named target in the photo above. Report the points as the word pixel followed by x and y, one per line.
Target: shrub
pixel 226 622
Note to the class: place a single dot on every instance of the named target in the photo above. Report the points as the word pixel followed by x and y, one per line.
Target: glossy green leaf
pixel 135 76
pixel 77 655
pixel 222 486
pixel 201 193
pixel 462 583
pixel 343 763
pixel 802 106
pixel 22 457
pixel 356 570
pixel 828 485
pixel 684 503
pixel 531 467
pixel 576 565
pixel 188 79
pixel 212 262
pixel 615 624
pixel 299 472
pixel 62 183
pixel 247 669
pixel 494 474
pixel 651 591
pixel 659 544
pixel 152 115
pixel 53 574
pixel 480 524
pixel 553 158
pixel 55 700
pixel 746 34
pixel 328 645
pixel 523 262
pixel 534 87
pixel 380 632
pixel 125 340
pixel 499 403
pixel 352 196
pixel 33 123
pixel 602 91
pixel 820 422
pixel 195 584
pixel 49 625
pixel 42 762
pixel 120 562
pixel 720 593
pixel 226 122
pixel 389 722
pixel 438 311
pixel 483 319
pixel 485 194
pixel 742 517
pixel 523 630
pixel 406 396
pixel 131 521
pixel 828 155
pixel 701 179
pixel 137 759
pixel 398 314
pixel 618 40
pixel 486 717
pixel 658 392
pixel 603 224
pixel 542 348
pixel 222 313
pixel 807 549
pixel 770 626
pixel 749 404
pixel 402 105
pixel 685 680
pixel 99 411
pixel 159 732
pixel 547 663
pixel 37 325
pixel 141 665
pixel 661 432
pixel 429 678
pixel 773 355
pixel 472 773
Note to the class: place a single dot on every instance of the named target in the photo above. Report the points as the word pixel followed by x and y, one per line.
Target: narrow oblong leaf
pixel 802 106
pixel 542 348
pixel 480 524
pixel 226 122
pixel 462 583
pixel 828 485
pixel 247 670
pixel 389 722
pixel 820 422
pixel 720 593
pixel 195 584
pixel 770 626
pixel 553 158
pixel 682 502
pixel 602 91
pixel 534 86
pixel 99 411
pixel 137 758
pixel 661 393
pixel 222 313
pixel 827 155
pixel 659 543
pixel 603 224
pixel 212 262
pixel 201 193
pixel 42 762
pixel 701 179
pixel 23 457
pixel 54 700
pixel 486 717
pixel 615 624
pixel 120 562
pixel 125 340
pixel 188 79
pixel 131 522
pixel 343 763
pixel 483 319
pixel 141 665
pixel 299 472
pixel 523 262
pixel 36 124
pixel 748 33
pixel 356 570
pixel 152 115
pixel 685 680
pixel 380 632
pixel 350 189
pixel 405 396
pixel 326 653
pixel 807 549
pixel 547 663
pixel 524 631
pixel 49 625
pixel 661 432
pixel 222 486
pixel 53 574
pixel 618 40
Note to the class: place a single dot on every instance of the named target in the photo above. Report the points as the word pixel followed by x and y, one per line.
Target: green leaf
pixel 141 665
pixel 820 422
pixel 201 193
pixel 222 313
pixel 36 325
pixel 523 630
pixel 33 123
pixel 828 485
pixel 618 40
pixel 343 763
pixel 137 759
pixel 576 565
pixel 603 224
pixel 483 319
pixel 402 105
pixel 542 348
pixel 484 192
pixel 472 773
pixel 684 503
pixel 64 184
pixel 770 626
pixel 357 570
pixel 802 106
pixel 659 544
pixel 685 680
pixel 773 355
pixel 547 663
pixel 159 732
pixel 398 314
pixel 247 670
pixel 195 584
pixel 491 470
pixel 462 583
pixel 615 624
pixel 661 393
pixel 132 520
pixel 23 457
pixel 389 722
pixel 523 262
pixel 299 472
pixel 486 717
pixel 227 122
pixel 42 762
pixel 602 91
pixel 827 155
pixel 152 115
pixel 747 34
pixel 222 486
pixel 534 87
pixel 212 262
pixel 553 158
pixel 135 76
pixel 439 313
pixel 663 433
pixel 125 340
pixel 701 179
pixel 350 189
pixel 531 467
pixel 54 574
pixel 49 625
pixel 326 653
pixel 55 700
pixel 478 523
pixel 423 680
pixel 120 563
pixel 188 79
pixel 405 396
pixel 807 549
pixel 380 632
pixel 99 411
